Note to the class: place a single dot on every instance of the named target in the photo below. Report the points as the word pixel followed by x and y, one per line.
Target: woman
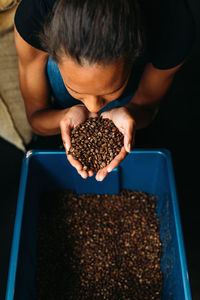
pixel 114 58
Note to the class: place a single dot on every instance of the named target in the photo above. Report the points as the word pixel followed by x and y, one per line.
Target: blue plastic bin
pixel 146 170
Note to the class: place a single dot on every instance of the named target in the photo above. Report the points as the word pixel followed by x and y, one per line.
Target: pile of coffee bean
pixel 95 143
pixel 99 247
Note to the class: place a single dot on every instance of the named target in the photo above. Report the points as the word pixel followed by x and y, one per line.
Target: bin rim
pixel 10 289
pixel 33 152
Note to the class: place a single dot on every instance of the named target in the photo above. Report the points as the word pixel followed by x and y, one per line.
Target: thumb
pixel 66 136
pixel 127 144
pixel 128 138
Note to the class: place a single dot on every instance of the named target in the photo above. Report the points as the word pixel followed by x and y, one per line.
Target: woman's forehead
pixel 96 77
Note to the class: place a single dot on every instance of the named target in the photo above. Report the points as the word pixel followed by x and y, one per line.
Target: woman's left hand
pixel 126 125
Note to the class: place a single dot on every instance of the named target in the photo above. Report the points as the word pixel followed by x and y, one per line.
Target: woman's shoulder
pixel 30 17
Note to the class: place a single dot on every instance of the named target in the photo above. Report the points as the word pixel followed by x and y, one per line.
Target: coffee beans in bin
pixel 99 246
pixel 95 143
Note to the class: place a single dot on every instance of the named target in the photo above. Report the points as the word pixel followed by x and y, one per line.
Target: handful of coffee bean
pixel 95 143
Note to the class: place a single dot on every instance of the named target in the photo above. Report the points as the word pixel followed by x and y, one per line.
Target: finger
pixel 83 174
pixel 66 135
pixel 127 143
pixel 128 137
pixel 75 163
pixel 90 173
pixel 101 174
pixel 105 114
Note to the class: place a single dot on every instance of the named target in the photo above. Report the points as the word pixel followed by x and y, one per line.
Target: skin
pixel 95 86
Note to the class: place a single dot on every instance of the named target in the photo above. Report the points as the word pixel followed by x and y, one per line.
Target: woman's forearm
pixel 142 114
pixel 153 86
pixel 47 121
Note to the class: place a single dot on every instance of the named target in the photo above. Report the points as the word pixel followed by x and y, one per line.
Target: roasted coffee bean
pixel 99 247
pixel 95 136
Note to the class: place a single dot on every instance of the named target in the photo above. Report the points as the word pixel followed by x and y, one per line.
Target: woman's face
pixel 94 85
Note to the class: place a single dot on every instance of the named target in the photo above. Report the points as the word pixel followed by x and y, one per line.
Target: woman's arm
pixel 35 89
pixel 43 119
pixel 153 85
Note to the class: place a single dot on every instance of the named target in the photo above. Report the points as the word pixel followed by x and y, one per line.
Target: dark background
pixel 175 128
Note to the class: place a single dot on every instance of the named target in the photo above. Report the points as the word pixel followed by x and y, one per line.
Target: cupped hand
pixel 74 116
pixel 126 125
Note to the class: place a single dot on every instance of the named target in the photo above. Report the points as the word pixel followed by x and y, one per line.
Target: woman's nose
pixel 94 103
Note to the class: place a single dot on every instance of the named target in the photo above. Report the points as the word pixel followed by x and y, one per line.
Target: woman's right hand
pixel 74 116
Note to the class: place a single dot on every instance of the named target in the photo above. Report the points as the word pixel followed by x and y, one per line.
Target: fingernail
pixel 84 176
pixel 99 178
pixel 67 147
pixel 128 148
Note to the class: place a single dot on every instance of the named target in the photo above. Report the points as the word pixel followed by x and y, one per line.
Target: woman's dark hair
pixel 96 31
